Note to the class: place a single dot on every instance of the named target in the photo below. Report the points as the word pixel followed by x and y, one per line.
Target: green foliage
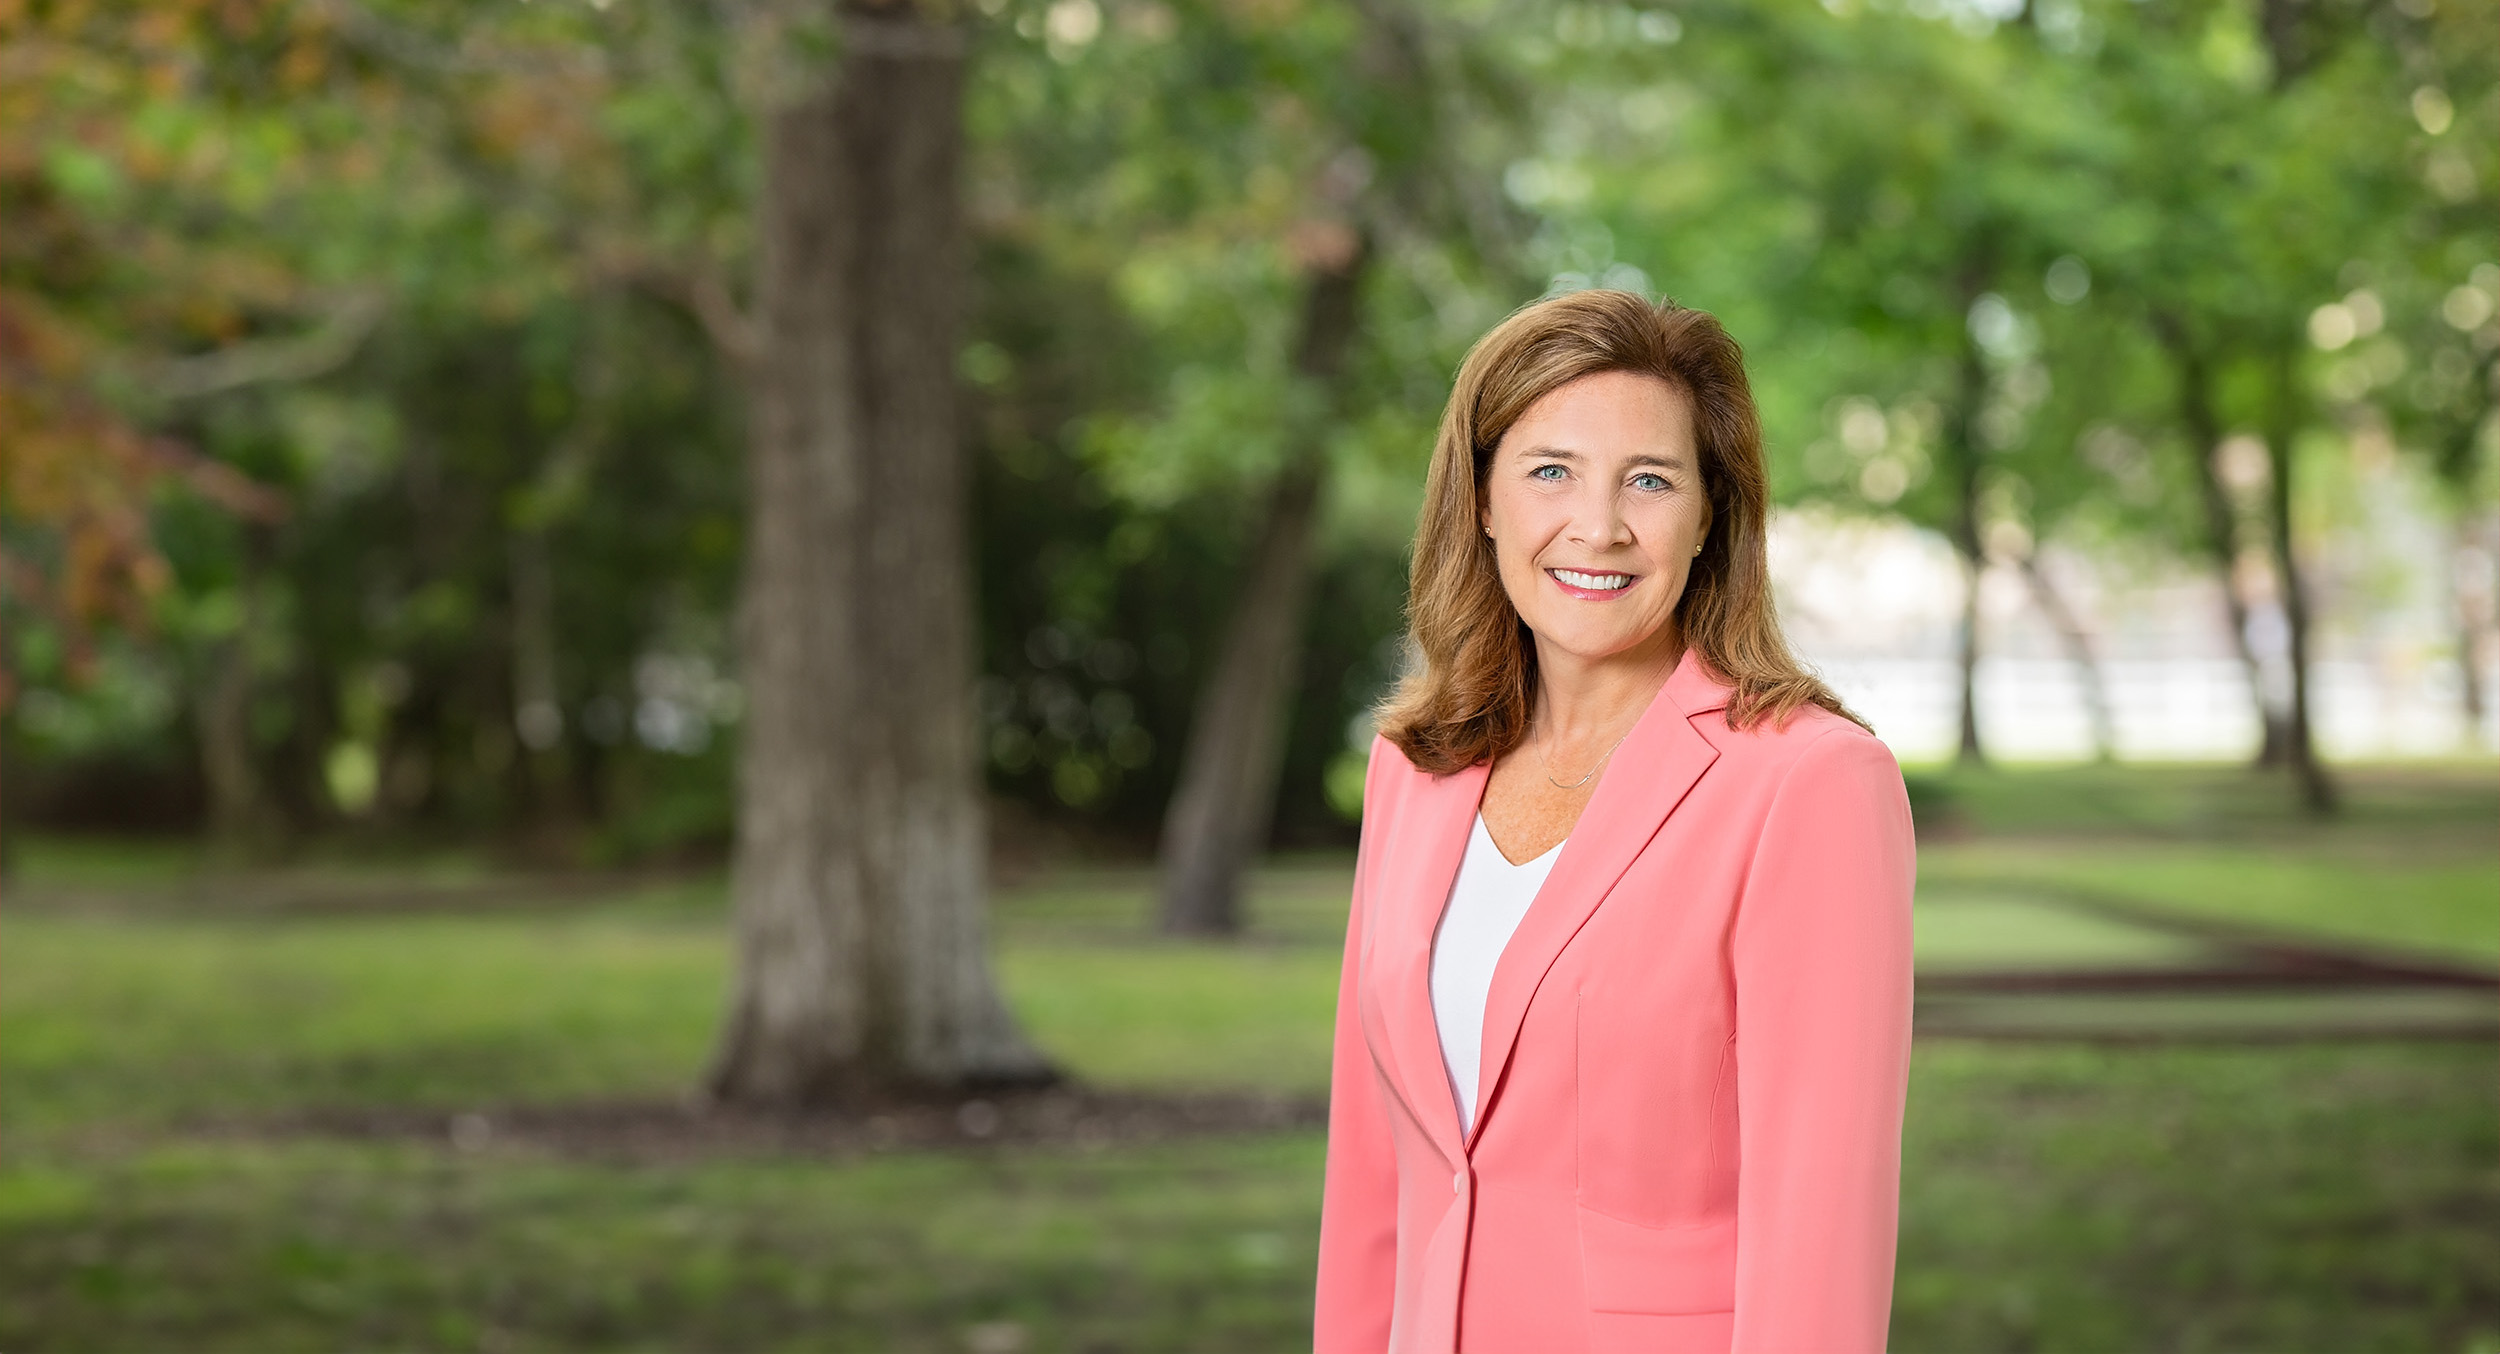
pixel 498 600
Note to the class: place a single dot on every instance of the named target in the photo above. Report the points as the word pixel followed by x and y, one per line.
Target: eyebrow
pixel 1566 454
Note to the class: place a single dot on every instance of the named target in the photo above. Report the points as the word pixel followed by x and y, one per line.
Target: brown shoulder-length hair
pixel 1470 698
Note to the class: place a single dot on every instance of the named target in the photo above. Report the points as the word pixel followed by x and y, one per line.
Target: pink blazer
pixel 1689 1129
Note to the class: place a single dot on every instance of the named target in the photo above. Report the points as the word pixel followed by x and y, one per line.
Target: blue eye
pixel 1652 483
pixel 1546 472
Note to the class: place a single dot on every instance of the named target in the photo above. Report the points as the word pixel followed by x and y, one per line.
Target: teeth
pixel 1602 581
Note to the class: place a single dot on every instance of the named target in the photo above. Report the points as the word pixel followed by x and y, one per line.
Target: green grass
pixel 161 1027
pixel 2057 1199
pixel 2408 866
pixel 2336 1197
pixel 1180 1017
pixel 2438 906
pixel 1976 930
pixel 158 1020
pixel 320 1247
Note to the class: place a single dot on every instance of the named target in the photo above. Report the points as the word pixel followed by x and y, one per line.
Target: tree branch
pixel 705 295
pixel 263 361
pixel 216 481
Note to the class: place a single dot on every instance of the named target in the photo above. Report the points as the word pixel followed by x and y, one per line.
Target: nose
pixel 1597 520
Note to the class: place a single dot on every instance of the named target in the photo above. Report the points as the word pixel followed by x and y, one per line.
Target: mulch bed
pixel 2242 961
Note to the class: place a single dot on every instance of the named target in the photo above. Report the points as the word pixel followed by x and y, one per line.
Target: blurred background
pixel 384 386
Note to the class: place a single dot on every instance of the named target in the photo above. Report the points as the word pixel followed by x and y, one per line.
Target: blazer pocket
pixel 1627 1267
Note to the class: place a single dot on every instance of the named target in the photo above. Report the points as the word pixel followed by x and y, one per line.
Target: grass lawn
pixel 164 1042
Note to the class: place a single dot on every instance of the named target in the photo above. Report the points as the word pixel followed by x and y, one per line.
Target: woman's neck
pixel 1580 699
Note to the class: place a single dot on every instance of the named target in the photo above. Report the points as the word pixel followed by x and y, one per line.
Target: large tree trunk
pixel 860 864
pixel 2222 534
pixel 1225 802
pixel 2316 789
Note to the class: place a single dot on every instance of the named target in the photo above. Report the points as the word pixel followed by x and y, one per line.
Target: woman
pixel 1624 1025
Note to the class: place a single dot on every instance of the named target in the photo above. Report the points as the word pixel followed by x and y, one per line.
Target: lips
pixel 1590 586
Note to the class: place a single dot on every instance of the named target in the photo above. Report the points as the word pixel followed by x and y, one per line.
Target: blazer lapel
pixel 1431 845
pixel 1647 777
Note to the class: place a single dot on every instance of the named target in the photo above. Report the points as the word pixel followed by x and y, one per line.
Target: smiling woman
pixel 1629 951
pixel 1470 698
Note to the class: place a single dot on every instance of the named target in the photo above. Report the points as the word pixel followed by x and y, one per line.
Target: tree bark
pixel 2222 535
pixel 2317 790
pixel 1226 799
pixel 860 864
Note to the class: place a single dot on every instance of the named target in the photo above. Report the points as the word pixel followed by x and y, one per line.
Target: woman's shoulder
pixel 1810 740
pixel 1391 773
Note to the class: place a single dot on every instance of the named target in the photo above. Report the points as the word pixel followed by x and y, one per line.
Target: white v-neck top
pixel 1486 905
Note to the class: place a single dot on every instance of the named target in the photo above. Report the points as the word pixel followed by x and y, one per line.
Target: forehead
pixel 1607 415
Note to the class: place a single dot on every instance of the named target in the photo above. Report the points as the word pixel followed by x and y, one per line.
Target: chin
pixel 1593 645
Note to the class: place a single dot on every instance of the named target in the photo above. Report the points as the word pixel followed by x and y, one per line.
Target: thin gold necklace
pixel 1548 764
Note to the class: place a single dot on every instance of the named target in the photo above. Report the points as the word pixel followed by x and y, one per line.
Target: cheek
pixel 1519 523
pixel 1668 531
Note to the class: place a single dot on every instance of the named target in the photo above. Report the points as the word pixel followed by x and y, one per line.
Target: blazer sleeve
pixel 1358 1206
pixel 1821 954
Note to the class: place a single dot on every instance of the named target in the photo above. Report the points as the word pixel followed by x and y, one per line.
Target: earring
pixel 1696 549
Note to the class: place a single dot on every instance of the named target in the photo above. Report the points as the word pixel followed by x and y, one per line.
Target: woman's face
pixel 1594 502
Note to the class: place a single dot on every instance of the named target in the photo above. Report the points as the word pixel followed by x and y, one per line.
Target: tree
pixel 104 316
pixel 1387 118
pixel 858 876
pixel 2287 189
pixel 1219 814
pixel 1887 235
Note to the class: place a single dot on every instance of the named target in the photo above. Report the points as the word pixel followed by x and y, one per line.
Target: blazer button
pixel 1458 1183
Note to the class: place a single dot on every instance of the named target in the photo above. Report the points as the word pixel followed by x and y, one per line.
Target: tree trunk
pixel 2471 602
pixel 1226 799
pixel 541 769
pixel 860 863
pixel 1961 439
pixel 223 713
pixel 2473 579
pixel 2078 645
pixel 2222 535
pixel 10 793
pixel 2316 789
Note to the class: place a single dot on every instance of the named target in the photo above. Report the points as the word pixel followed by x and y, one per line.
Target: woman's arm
pixel 1358 1227
pixel 1822 969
